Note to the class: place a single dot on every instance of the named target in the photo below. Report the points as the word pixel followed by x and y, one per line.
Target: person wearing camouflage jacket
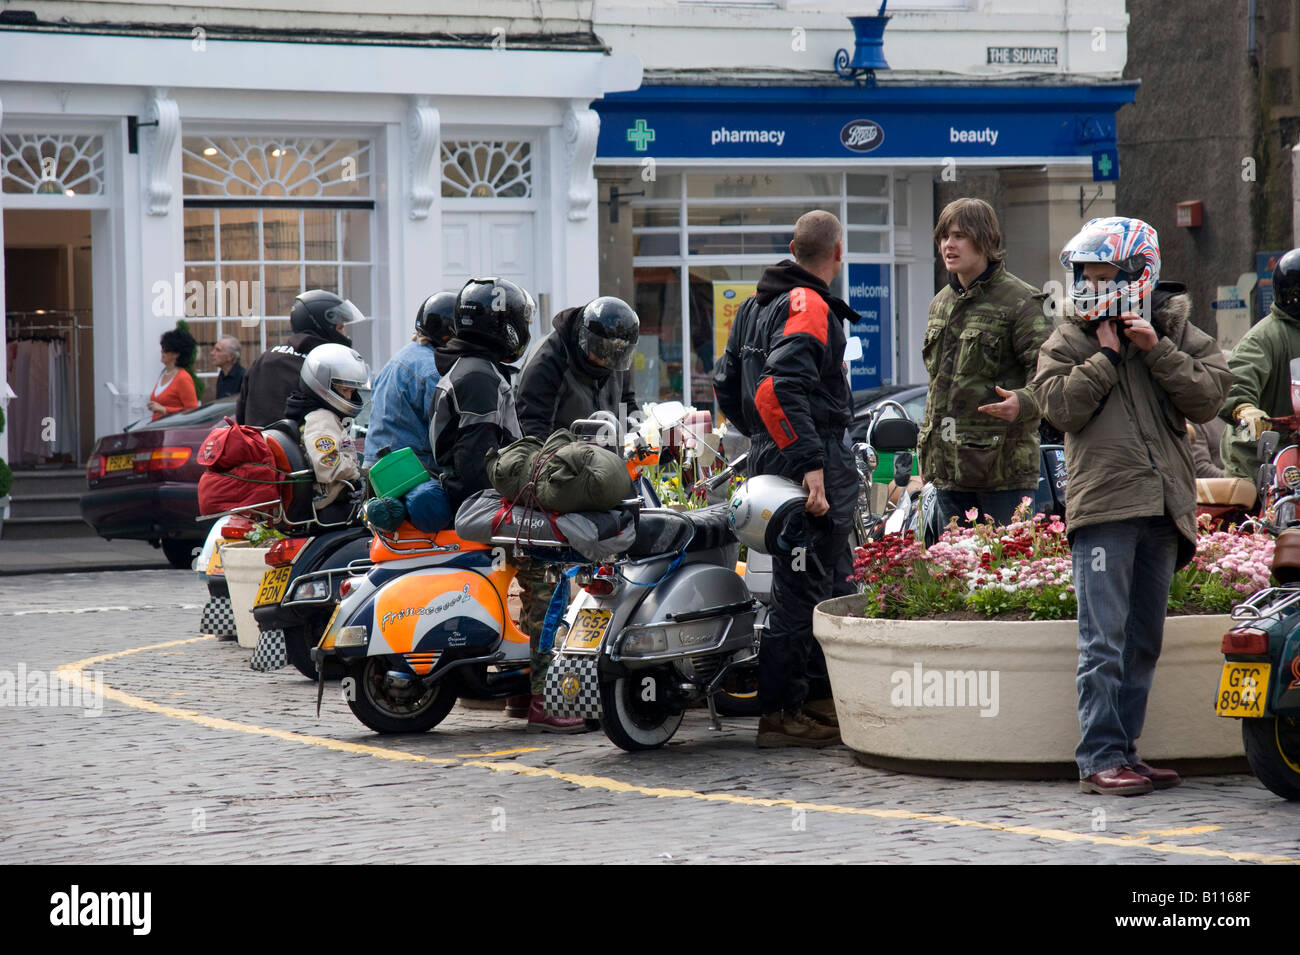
pixel 979 436
pixel 1261 385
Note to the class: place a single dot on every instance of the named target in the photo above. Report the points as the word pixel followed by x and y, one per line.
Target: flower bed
pixel 1024 571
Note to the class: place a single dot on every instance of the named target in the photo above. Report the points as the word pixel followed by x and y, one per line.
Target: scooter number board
pixel 1242 687
pixel 274 582
pixel 589 629
pixel 215 567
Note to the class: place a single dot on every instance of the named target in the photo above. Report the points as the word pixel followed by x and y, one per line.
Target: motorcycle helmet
pixel 761 511
pixel 496 314
pixel 327 367
pixel 436 318
pixel 607 332
pixel 1128 244
pixel 1286 283
pixel 323 312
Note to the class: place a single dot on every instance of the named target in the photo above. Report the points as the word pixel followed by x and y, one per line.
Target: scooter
pixel 1260 680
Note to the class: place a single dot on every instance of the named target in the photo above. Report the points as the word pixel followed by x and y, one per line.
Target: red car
pixel 144 482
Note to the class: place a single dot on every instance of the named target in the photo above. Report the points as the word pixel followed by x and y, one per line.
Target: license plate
pixel 1242 689
pixel 334 616
pixel 215 567
pixel 120 462
pixel 274 581
pixel 589 629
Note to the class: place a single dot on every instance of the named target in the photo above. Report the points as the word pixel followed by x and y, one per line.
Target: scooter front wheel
pixel 635 714
pixel 389 699
pixel 1273 749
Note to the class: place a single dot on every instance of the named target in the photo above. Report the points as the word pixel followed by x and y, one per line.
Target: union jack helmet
pixel 1130 245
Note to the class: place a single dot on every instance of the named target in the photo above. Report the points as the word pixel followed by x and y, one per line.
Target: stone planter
pixel 997 697
pixel 244 566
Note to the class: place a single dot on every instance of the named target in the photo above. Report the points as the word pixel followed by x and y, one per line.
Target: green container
pixel 396 473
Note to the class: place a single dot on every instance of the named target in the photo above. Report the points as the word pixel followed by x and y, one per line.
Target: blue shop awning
pixel 899 123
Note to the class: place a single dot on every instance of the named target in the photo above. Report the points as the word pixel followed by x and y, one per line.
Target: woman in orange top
pixel 175 388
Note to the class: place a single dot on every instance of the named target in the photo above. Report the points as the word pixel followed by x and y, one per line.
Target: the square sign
pixel 1105 165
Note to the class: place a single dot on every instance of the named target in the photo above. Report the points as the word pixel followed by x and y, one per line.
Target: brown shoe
pixel 822 711
pixel 540 722
pixel 517 706
pixel 794 729
pixel 1160 778
pixel 1120 781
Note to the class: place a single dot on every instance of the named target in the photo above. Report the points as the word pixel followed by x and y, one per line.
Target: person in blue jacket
pixel 402 401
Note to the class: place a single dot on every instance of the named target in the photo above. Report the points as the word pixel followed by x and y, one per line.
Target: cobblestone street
pixel 196 758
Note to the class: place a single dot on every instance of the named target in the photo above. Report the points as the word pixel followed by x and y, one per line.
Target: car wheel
pixel 180 553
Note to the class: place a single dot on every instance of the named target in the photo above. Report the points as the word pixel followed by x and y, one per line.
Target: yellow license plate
pixel 1242 689
pixel 274 581
pixel 215 567
pixel 589 629
pixel 120 462
pixel 334 616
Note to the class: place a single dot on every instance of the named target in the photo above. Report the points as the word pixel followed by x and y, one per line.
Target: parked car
pixel 143 483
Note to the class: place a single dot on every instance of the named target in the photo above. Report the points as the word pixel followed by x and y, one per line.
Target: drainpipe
pixel 1251 9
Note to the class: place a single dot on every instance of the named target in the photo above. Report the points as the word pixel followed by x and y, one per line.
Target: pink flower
pixel 973 513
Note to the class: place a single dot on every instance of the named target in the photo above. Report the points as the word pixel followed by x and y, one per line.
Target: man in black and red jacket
pixel 781 382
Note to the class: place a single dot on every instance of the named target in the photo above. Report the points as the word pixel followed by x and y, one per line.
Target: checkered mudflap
pixel 271 653
pixel 572 686
pixel 218 618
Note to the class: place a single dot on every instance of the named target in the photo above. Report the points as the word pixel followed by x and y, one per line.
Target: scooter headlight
pixel 351 637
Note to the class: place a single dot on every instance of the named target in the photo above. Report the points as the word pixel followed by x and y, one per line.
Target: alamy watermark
pixel 23 687
pixel 921 687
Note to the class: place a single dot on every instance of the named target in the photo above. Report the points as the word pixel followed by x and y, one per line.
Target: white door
pixel 476 244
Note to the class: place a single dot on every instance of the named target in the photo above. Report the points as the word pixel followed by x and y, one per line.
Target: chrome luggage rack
pixel 1260 604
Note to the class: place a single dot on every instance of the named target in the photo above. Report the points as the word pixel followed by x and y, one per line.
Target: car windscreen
pixel 204 414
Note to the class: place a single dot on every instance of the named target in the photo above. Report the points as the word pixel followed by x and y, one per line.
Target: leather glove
pixel 1251 419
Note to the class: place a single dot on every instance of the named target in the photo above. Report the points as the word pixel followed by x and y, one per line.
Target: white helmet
pixel 761 508
pixel 326 367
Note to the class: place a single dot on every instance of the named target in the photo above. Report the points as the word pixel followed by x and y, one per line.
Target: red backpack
pixel 241 469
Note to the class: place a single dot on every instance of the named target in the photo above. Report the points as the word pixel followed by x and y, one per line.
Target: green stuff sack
pixel 575 476
pixel 510 468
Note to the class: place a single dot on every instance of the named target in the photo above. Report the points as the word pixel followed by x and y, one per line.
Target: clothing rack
pixel 65 324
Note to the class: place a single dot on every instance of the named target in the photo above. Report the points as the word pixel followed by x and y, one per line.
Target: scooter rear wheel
pixel 634 713
pixel 388 708
pixel 1273 749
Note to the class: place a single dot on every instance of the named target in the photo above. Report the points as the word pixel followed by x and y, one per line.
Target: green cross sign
pixel 1104 165
pixel 640 135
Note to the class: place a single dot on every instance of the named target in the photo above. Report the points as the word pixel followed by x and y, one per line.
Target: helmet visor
pixel 612 353
pixel 344 313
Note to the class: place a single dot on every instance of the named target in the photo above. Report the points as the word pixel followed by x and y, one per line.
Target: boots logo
pixel 862 135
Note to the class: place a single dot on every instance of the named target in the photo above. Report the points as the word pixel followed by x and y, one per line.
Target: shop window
pixel 266 218
pixel 49 164
pixel 657 365
pixel 487 170
pixel 739 185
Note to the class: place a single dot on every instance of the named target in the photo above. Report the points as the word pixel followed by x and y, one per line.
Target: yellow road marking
pixel 504 752
pixel 1189 831
pixel 72 673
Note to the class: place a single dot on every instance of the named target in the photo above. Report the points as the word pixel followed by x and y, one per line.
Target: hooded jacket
pixel 977 338
pixel 1261 376
pixel 780 380
pixel 473 412
pixel 274 376
pixel 558 385
pixel 1125 417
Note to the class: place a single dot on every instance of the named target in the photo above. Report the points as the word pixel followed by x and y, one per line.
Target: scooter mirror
pixel 1268 442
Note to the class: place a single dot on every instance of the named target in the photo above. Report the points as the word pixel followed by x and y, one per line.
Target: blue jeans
pixel 1122 572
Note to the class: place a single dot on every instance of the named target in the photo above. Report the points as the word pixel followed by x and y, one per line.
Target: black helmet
pixel 1286 283
pixel 436 319
pixel 496 314
pixel 607 333
pixel 322 312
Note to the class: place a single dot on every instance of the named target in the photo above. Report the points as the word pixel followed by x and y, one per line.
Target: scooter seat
pixel 1230 492
pixel 661 531
pixel 1286 556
